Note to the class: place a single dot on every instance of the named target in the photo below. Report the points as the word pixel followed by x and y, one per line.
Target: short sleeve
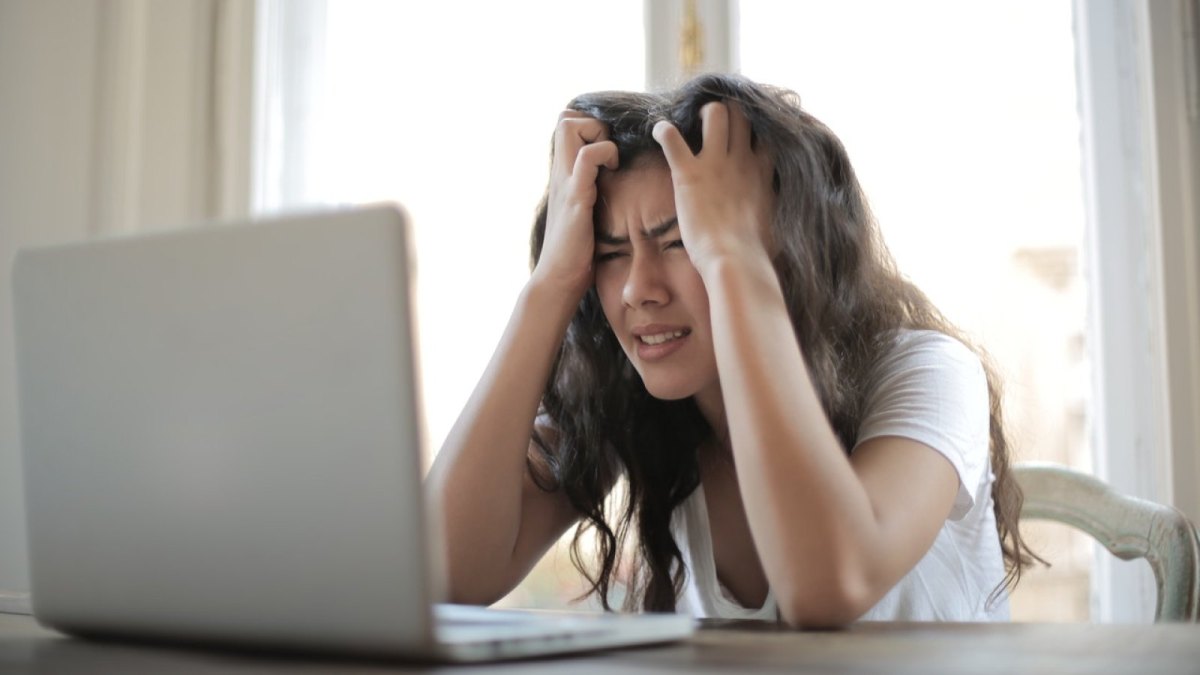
pixel 932 389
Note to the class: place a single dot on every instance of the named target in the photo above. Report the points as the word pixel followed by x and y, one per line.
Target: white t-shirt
pixel 932 389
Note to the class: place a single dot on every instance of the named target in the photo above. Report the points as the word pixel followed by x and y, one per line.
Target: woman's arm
pixel 833 535
pixel 497 522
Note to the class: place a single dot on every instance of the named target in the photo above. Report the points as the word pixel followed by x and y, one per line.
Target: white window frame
pixel 1138 111
pixel 1174 73
pixel 718 35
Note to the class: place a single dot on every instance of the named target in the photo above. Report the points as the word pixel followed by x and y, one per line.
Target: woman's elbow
pixel 828 605
pixel 457 596
pixel 466 582
pixel 477 592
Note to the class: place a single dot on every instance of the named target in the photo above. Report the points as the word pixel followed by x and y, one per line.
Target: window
pixel 963 124
pixel 427 104
pixel 969 152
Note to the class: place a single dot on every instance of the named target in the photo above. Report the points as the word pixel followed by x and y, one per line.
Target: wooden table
pixel 738 647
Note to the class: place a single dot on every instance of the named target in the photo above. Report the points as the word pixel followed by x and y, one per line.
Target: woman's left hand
pixel 723 195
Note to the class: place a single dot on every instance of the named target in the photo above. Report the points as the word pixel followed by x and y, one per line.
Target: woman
pixel 712 314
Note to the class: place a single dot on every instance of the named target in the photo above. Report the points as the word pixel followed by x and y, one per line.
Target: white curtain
pixel 121 115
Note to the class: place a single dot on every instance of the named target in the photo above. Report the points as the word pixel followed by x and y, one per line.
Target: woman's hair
pixel 845 298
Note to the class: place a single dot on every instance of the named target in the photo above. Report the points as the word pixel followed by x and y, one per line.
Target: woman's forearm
pixel 810 516
pixel 477 479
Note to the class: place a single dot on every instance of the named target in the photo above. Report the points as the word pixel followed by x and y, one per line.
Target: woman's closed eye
pixel 605 256
pixel 674 243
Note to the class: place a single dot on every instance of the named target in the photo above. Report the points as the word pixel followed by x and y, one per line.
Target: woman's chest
pixel 734 554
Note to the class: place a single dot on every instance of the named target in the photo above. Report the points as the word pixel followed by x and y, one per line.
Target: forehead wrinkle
pixel 653 233
pixel 633 211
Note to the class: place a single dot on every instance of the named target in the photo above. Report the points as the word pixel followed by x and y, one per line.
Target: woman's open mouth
pixel 655 346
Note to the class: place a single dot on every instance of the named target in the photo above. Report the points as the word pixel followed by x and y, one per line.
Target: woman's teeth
pixel 661 337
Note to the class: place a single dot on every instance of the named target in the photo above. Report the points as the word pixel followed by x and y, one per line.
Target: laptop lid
pixel 221 434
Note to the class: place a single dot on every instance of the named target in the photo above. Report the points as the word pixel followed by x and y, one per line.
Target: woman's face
pixel 652 296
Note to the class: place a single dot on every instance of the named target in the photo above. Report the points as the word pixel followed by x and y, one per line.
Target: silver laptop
pixel 222 444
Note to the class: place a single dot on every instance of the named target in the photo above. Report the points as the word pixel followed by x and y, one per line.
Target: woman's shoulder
pixel 932 388
pixel 927 375
pixel 907 340
pixel 908 348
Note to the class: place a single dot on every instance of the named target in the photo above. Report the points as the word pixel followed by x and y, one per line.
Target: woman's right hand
pixel 581 147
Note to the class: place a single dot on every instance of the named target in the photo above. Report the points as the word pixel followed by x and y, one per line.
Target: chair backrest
pixel 1127 526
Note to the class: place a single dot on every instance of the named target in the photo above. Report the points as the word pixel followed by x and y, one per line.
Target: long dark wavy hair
pixel 845 298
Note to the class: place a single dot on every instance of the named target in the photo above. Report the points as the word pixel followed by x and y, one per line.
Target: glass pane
pixel 430 105
pixel 448 109
pixel 961 120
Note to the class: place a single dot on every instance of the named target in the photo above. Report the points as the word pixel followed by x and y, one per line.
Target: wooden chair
pixel 1128 527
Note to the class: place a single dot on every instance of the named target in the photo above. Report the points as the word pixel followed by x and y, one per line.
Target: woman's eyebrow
pixel 653 233
pixel 662 228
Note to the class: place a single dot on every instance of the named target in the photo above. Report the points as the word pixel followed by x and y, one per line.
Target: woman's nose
pixel 645 283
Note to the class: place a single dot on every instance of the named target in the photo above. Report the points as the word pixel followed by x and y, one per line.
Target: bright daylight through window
pixel 966 144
